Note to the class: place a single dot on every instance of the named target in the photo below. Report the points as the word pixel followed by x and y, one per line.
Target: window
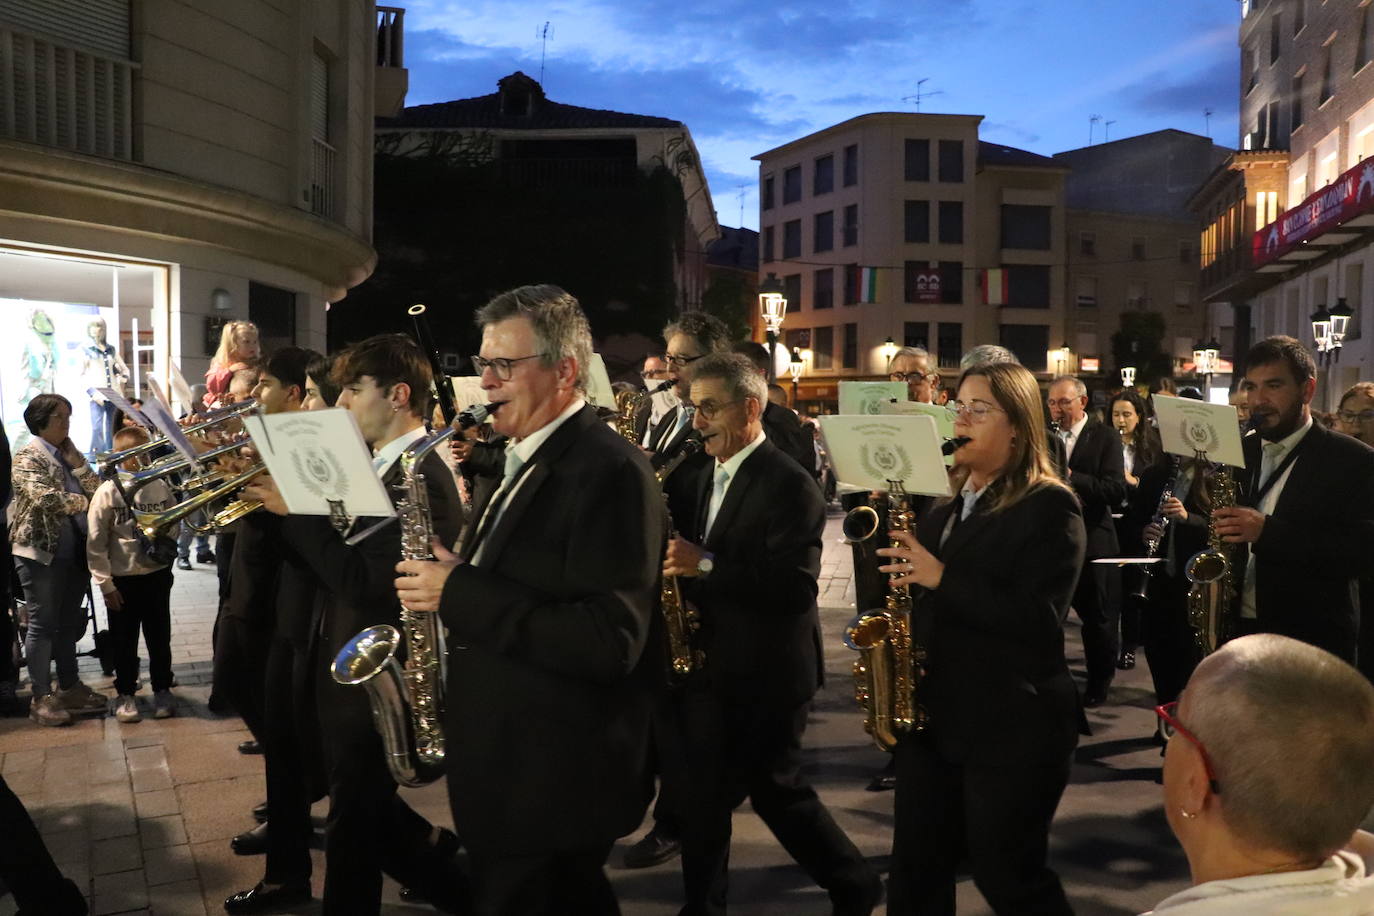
pixel 791 288
pixel 951 222
pixel 916 334
pixel 825 231
pixel 768 193
pixel 1361 135
pixel 1274 27
pixel 850 358
pixel 952 282
pixel 1250 66
pixel 1299 15
pixel 1136 295
pixel 1087 244
pixel 823 349
pixel 823 296
pixel 1326 89
pixel 1030 343
pixel 823 178
pixel 273 310
pixel 916 218
pixel 1363 52
pixel 1028 286
pixel 851 225
pixel 791 239
pixel 767 244
pixel 1137 249
pixel 851 284
pixel 1270 135
pixel 951 160
pixel 851 165
pixel 1327 159
pixel 1183 295
pixel 1185 249
pixel 918 160
pixel 949 341
pixel 1087 292
pixel 1025 227
pixel 1296 119
pixel 1266 209
pixel 791 185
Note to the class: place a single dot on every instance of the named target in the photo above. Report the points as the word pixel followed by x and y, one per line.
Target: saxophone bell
pixel 860 524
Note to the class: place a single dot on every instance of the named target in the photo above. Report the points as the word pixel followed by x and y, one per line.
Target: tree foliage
pixel 1140 343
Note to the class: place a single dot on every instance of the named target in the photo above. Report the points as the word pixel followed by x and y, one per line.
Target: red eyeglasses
pixel 1172 726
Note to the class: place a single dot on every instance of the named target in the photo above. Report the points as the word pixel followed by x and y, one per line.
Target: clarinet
pixel 1160 519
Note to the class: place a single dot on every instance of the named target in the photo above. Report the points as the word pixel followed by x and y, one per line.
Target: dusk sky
pixel 748 77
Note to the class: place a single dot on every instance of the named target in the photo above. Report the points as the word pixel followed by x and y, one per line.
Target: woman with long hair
pixel 994 570
pixel 238 349
pixel 1140 449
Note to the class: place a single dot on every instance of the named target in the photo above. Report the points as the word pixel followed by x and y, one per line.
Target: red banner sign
pixel 1348 196
pixel 927 286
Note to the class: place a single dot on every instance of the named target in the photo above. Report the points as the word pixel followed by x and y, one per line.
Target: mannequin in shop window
pixel 102 367
pixel 40 357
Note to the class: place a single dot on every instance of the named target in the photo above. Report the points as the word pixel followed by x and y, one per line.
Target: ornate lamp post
pixel 797 364
pixel 773 310
pixel 889 351
pixel 1128 376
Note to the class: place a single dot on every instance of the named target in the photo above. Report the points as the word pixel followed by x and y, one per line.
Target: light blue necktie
pixel 718 484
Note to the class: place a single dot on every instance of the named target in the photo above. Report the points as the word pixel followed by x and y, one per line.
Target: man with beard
pixel 1307 512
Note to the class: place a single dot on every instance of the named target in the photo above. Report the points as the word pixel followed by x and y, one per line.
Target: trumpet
pixel 109 462
pixel 154 524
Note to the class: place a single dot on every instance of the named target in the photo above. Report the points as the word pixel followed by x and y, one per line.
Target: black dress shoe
pixel 260 813
pixel 205 556
pixel 858 901
pixel 1126 662
pixel 264 899
pixel 1096 694
pixel 250 747
pixel 883 782
pixel 250 842
pixel 655 849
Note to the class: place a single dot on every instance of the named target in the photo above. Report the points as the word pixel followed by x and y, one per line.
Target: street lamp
pixel 796 366
pixel 1340 321
pixel 1128 376
pixel 1062 357
pixel 1321 329
pixel 889 351
pixel 773 309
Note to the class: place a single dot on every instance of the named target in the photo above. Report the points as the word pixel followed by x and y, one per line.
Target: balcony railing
pixel 390 36
pixel 63 96
pixel 323 162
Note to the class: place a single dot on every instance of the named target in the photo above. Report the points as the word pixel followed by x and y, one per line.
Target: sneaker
pixel 164 704
pixel 81 699
pixel 205 556
pixel 47 710
pixel 125 709
pixel 183 562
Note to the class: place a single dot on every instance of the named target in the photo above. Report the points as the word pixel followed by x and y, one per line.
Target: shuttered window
pixel 97 25
pixel 319 98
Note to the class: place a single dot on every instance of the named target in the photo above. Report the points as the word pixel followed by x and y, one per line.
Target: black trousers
pixel 1364 656
pixel 543 885
pixel 670 760
pixel 294 762
pixel 26 867
pixel 1092 603
pixel 999 816
pixel 1170 645
pixel 738 750
pixel 370 829
pixel 241 670
pixel 147 604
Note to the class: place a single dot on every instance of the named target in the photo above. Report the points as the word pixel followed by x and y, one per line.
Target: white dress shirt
pixel 729 470
pixel 1272 455
pixel 384 457
pixel 1071 436
pixel 1338 887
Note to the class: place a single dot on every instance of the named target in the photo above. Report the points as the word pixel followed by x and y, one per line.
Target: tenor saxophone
pixel 887 672
pixel 1211 573
pixel 407 699
pixel 679 620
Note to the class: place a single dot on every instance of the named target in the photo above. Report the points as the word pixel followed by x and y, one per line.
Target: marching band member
pixel 997 565
pixel 549 608
pixel 1140 449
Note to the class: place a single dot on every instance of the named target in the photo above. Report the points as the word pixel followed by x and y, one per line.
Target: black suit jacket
pixel 1317 542
pixel 670 443
pixel 997 688
pixel 785 430
pixel 548 709
pixel 760 627
pixel 1097 473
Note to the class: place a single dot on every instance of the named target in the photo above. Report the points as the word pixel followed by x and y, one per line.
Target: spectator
pixel 137 588
pixel 1270 781
pixel 52 489
pixel 238 348
pixel 1356 415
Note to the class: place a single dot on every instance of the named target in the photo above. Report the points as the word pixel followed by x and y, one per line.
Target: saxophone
pixel 888 670
pixel 627 404
pixel 679 620
pixel 1212 592
pixel 407 700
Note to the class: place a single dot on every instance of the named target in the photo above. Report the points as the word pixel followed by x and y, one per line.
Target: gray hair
pixel 707 330
pixel 986 355
pixel 741 379
pixel 1290 732
pixel 1079 389
pixel 560 327
pixel 914 352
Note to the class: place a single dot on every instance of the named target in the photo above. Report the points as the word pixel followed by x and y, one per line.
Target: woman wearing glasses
pixel 997 566
pixel 1140 448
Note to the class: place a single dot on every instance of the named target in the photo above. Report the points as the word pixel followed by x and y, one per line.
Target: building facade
pixel 908 227
pixel 168 166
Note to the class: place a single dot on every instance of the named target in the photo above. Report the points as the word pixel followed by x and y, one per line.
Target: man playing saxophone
pixel 385 383
pixel 549 606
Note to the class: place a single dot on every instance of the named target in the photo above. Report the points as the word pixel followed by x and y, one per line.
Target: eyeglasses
pixel 1062 403
pixel 654 373
pixel 976 413
pixel 501 365
pixel 909 376
pixel 680 361
pixel 1355 416
pixel 1172 727
pixel 709 409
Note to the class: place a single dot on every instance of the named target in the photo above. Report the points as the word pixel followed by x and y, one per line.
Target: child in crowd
pixel 137 589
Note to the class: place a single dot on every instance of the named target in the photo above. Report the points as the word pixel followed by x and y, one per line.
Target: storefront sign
pixel 1348 196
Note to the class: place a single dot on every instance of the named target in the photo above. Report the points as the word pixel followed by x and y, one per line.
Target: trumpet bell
pixel 860 524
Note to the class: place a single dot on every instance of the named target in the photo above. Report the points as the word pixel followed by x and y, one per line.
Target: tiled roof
pixel 736 247
pixel 996 154
pixel 488 111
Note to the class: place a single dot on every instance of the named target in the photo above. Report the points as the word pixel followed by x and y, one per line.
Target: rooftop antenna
pixel 1092 124
pixel 1207 120
pixel 1107 130
pixel 543 34
pixel 740 193
pixel 921 93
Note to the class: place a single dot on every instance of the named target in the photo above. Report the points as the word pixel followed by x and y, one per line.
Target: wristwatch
pixel 706 564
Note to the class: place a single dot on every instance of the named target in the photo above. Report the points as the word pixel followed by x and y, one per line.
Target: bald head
pixel 1290 731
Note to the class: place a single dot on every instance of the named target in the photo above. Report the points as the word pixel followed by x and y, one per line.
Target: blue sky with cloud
pixel 747 78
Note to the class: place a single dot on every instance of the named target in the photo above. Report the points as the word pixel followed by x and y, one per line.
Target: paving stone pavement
pixel 140 815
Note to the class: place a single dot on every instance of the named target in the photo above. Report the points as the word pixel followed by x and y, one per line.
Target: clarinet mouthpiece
pixel 953 445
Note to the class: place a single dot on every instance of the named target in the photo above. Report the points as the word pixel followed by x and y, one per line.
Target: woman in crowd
pixel 238 348
pixel 1356 418
pixel 1140 446
pixel 996 568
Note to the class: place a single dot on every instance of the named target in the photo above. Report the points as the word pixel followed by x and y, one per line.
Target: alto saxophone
pixel 627 404
pixel 1212 592
pixel 887 673
pixel 407 700
pixel 679 620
